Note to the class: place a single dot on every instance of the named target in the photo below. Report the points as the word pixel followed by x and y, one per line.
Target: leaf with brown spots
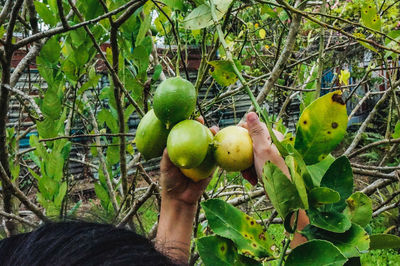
pixel 321 127
pixel 223 73
pixel 215 250
pixel 228 221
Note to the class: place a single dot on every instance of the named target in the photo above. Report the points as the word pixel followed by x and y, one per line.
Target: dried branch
pixel 385 208
pixel 137 205
pixel 26 97
pixel 372 173
pixel 5 11
pixel 283 58
pixel 373 144
pixel 17 218
pixel 370 189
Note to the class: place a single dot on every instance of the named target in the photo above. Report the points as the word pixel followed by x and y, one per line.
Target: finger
pixel 244 125
pixel 214 129
pixel 250 175
pixel 165 163
pixel 258 131
pixel 278 135
pixel 200 119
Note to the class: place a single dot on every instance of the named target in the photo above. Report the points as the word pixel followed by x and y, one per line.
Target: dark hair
pixel 79 243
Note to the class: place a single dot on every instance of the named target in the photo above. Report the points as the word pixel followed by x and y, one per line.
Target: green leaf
pixel 46 128
pixel 318 170
pixel 282 193
pixel 321 127
pixel 370 16
pixel 216 250
pixel 331 221
pixel 144 27
pixel 112 154
pixel 297 179
pixel 61 194
pixel 101 193
pixel 359 209
pixel 396 133
pixel 323 195
pixel 51 105
pixel 157 72
pixel 384 241
pixel 105 116
pixel 51 51
pixel 141 58
pixel 91 9
pixel 45 13
pixel 315 253
pixel 351 243
pixel 54 166
pixel 223 73
pixel 339 177
pixel 201 17
pixel 175 4
pixel 227 221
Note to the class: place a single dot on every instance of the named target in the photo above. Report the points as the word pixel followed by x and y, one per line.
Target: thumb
pixel 257 130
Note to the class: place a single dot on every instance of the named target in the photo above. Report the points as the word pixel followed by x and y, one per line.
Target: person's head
pixel 79 243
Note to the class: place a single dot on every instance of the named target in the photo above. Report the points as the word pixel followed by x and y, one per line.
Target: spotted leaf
pixel 321 127
pixel 369 15
pixel 229 222
pixel 359 208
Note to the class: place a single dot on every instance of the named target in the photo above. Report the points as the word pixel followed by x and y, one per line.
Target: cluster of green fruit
pixel 191 146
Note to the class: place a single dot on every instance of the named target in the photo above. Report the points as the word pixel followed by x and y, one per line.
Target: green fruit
pixel 174 101
pixel 151 136
pixel 206 168
pixel 188 143
pixel 233 148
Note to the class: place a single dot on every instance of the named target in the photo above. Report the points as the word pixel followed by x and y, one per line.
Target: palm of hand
pixel 178 187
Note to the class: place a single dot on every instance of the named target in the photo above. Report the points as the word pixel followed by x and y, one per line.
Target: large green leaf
pixel 227 221
pixel 50 52
pixel 175 4
pixel 144 28
pixel 370 16
pixel 282 193
pixel 321 127
pixel 359 208
pixel 318 170
pixel 141 58
pixel 223 73
pixel 45 13
pixel 201 17
pixel 315 253
pixel 339 177
pixel 351 243
pixel 54 166
pixel 105 116
pixel 61 194
pixel 218 251
pixel 323 195
pixel 331 221
pixel 384 241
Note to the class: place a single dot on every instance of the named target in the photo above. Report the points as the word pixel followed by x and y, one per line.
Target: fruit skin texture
pixel 151 136
pixel 174 100
pixel 233 148
pixel 207 166
pixel 188 143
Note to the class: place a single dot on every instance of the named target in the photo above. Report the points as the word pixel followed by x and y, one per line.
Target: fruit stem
pixel 228 54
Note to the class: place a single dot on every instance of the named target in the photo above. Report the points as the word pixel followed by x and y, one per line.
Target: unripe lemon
pixel 188 143
pixel 207 166
pixel 174 101
pixel 233 148
pixel 151 136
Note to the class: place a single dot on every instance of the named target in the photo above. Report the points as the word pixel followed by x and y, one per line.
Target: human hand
pixel 175 185
pixel 263 149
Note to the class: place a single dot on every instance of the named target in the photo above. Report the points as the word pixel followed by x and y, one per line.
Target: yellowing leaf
pixel 262 33
pixel 344 77
pixel 321 127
